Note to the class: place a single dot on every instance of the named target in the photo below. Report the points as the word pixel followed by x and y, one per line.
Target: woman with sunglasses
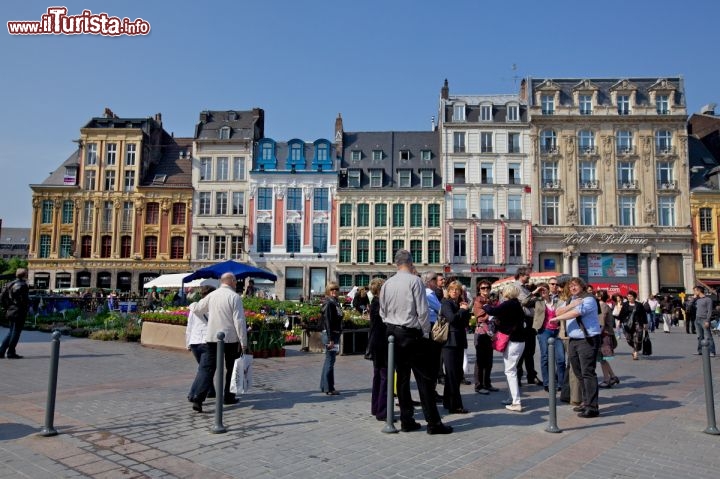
pixel 483 339
pixel 331 323
pixel 457 313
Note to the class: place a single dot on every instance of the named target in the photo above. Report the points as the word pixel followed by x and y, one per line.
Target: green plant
pixel 104 335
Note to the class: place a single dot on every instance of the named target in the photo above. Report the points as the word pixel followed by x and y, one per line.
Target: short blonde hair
pixel 455 285
pixel 330 286
pixel 511 291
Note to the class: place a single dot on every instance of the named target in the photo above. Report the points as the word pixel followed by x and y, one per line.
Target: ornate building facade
pixel 610 182
pixel 117 212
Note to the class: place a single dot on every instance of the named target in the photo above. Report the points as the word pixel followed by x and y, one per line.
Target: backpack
pixel 6 299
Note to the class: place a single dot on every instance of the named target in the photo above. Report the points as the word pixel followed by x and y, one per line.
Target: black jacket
pixel 331 319
pixel 19 299
pixel 378 331
pixel 458 320
pixel 509 319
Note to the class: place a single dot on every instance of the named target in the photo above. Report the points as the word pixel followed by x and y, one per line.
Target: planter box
pixel 312 341
pixel 160 335
pixel 352 341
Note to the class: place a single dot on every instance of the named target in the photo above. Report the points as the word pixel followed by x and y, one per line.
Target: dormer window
pixel 404 155
pixel 267 160
pixel 485 112
pixel 425 155
pixel 224 133
pixel 585 103
pixel 547 104
pixel 405 178
pixel 354 178
pixel 296 156
pixel 459 112
pixel 513 113
pixel 70 177
pixel 377 155
pixel 355 155
pixel 322 160
pixel 662 104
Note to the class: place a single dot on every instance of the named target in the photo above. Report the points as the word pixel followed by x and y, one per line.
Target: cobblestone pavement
pixel 122 412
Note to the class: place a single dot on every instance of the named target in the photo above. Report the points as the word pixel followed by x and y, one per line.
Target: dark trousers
pixel 206 371
pixel 453 359
pixel 583 359
pixel 690 324
pixel 198 351
pixel 528 357
pixel 378 398
pixel 13 335
pixel 415 353
pixel 483 361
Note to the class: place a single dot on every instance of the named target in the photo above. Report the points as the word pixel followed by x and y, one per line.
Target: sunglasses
pixel 552 284
pixel 484 287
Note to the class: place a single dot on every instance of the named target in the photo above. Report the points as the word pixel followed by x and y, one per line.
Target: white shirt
pixel 225 313
pixel 196 330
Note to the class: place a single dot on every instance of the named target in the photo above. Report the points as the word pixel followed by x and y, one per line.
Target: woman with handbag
pixel 378 351
pixel 634 321
pixel 509 319
pixel 609 341
pixel 483 339
pixel 331 323
pixel 457 314
pixel 546 329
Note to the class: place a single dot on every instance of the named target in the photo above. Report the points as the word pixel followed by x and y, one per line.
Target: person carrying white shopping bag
pixel 242 375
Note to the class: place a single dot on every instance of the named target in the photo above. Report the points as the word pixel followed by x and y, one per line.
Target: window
pixel 110 180
pixel 549 172
pixel 459 246
pixel 459 206
pixel 267 152
pixel 666 211
pixel 515 207
pixel 293 238
pixel 396 246
pixel 416 216
pixel 376 176
pixel 377 155
pixel 110 154
pixel 264 199
pixel 294 199
pixel 363 250
pixel 239 168
pixel 486 113
pixel 624 141
pixel 404 155
pixel 47 211
pixel 513 113
pixel 459 142
pixel 433 251
pixel 587 174
pixel 88 212
pixel 263 235
pixel 626 174
pixel 433 215
pixel 345 251
pixel 222 172
pixel 151 247
pixel 425 155
pixel 220 243
pixel 513 145
pixel 398 220
pixel 363 215
pixel 404 178
pixel 91 154
pixel 205 168
pixel 129 183
pixel 623 104
pixel 130 149
pixel 380 215
pixel 427 178
pixel 707 255
pixel 362 279
pixel 322 154
pixel 515 246
pixel 296 153
pixel 65 246
pixel 486 173
pixel 586 141
pixel 355 155
pixel 345 215
pixel 380 251
pixel 354 178
pixel 487 207
pixel 178 213
pixel 90 180
pixel 236 247
pixel 547 104
pixel 486 142
pixel 459 173
pixel 514 173
pixel 204 203
pixel 105 246
pixel 585 102
pixel 68 212
pixel 320 199
pixel 44 250
pixel 548 141
pixel 294 282
pixel 177 247
pixel 487 250
pixel 663 141
pixel 416 251
pixel 85 246
pixel 458 112
pixel 203 247
pixel 662 104
pixel 238 203
pixel 224 133
pixel 626 210
pixel 550 206
pixel 125 245
pixel 664 173
pixel 107 214
pixel 706 221
pixel 588 210
pixel 320 235
pixel 152 213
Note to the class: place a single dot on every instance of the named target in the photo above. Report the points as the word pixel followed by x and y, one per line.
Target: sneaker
pixel 514 407
pixel 482 391
pixel 14 356
pixel 492 389
pixel 506 402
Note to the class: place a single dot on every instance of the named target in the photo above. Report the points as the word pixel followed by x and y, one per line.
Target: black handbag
pixel 369 355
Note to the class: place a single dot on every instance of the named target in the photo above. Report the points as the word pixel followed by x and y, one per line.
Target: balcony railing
pixel 589 185
pixel 550 184
pixel 487 214
pixel 587 150
pixel 515 214
pixel 627 185
pixel 460 213
pixel 625 150
pixel 664 150
pixel 667 185
pixel 548 111
pixel 548 149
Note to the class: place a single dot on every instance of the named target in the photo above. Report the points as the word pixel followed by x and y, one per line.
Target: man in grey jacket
pixel 703 312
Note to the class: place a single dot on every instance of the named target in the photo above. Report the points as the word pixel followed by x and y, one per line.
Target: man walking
pixel 522 276
pixel 404 309
pixel 703 312
pixel 225 313
pixel 16 302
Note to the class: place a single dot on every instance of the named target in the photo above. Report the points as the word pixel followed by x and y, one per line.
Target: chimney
pixel 708 109
pixel 109 113
pixel 523 90
pixel 445 91
pixel 432 123
pixel 339 136
pixel 158 118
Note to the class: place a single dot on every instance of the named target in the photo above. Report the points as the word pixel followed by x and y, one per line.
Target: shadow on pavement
pixel 11 431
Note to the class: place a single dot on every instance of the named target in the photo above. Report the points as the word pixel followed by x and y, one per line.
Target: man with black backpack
pixel 15 299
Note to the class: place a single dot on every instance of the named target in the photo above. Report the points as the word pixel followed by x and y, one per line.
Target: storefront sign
pixel 604 239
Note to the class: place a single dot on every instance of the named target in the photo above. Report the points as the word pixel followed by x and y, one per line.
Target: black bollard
pixel 552 389
pixel 390 417
pixel 218 428
pixel 709 395
pixel 48 429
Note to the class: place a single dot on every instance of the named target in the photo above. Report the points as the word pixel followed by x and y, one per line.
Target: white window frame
pixel 376 175
pixel 513 113
pixel 130 152
pixel 354 177
pixel 239 168
pixel 222 169
pixel 111 154
pixel 459 112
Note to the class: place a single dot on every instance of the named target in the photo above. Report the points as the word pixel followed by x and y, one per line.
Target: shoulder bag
pixel 440 330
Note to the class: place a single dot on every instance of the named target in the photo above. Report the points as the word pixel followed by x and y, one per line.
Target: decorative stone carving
pixel 649 212
pixel 571 212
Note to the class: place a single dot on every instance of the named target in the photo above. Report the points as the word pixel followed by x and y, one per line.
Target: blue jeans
pixel 327 379
pixel 543 338
pixel 702 332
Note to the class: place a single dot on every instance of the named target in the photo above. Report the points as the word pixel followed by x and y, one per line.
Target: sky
pixel 380 63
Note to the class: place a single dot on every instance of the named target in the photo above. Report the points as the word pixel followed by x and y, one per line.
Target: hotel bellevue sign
pixel 616 238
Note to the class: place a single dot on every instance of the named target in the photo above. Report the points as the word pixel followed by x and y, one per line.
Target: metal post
pixel 390 416
pixel 218 428
pixel 48 429
pixel 707 374
pixel 552 389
